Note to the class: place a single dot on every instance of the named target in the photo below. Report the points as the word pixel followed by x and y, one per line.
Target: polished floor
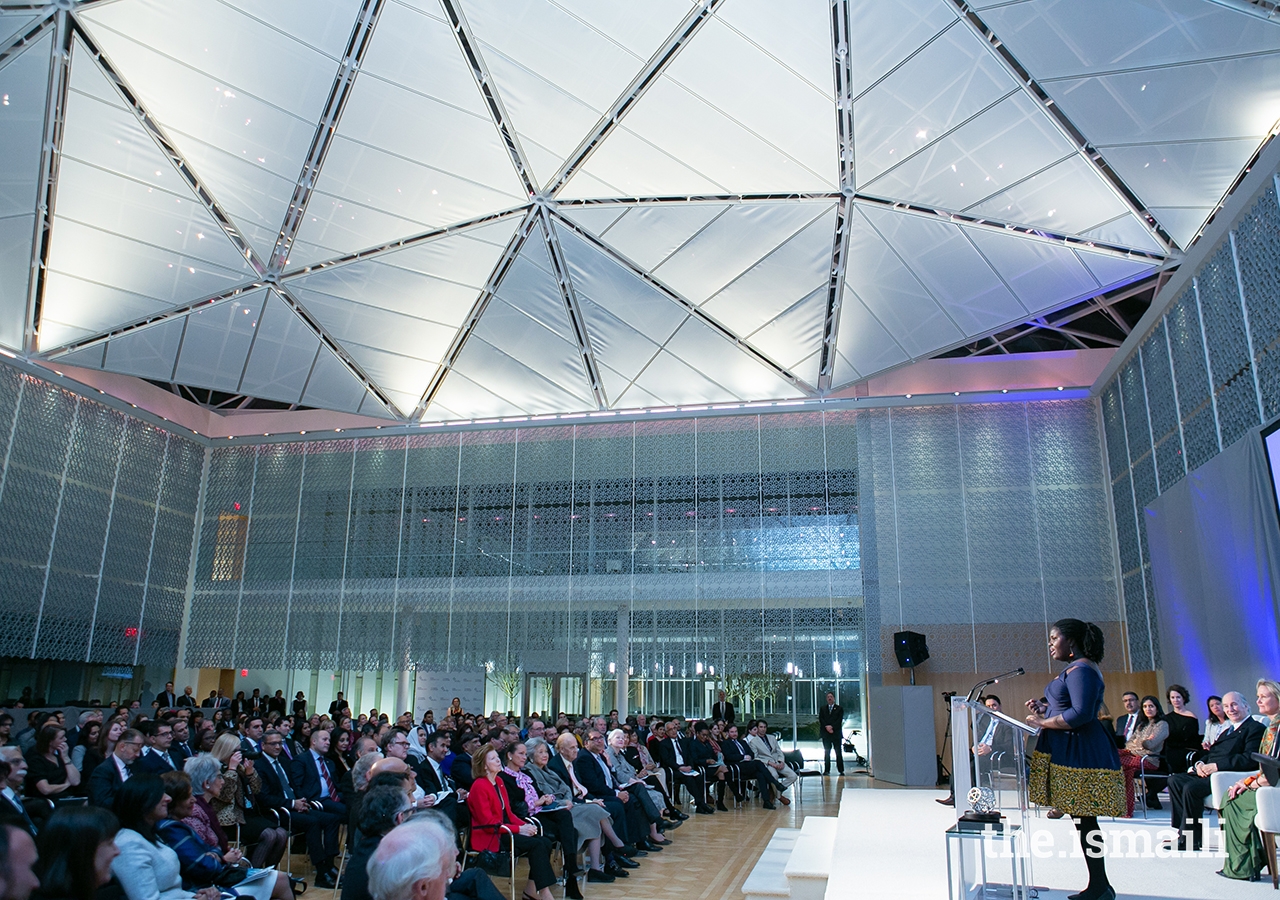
pixel 710 856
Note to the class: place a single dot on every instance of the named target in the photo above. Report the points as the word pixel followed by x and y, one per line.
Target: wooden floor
pixel 710 856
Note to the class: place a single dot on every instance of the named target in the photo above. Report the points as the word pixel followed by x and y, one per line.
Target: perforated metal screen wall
pixel 98 513
pixel 1207 374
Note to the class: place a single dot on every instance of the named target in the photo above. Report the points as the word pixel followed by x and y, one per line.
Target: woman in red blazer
pixel 490 808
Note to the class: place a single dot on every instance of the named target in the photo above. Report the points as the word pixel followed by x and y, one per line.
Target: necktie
pixel 22 811
pixel 328 779
pixel 284 782
pixel 1128 728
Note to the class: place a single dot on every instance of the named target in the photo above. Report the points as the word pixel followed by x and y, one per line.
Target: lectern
pixel 1005 764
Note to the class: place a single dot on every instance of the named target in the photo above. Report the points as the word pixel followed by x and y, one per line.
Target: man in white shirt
pixel 115 770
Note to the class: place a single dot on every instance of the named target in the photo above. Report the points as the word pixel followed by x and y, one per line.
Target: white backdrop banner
pixel 435 690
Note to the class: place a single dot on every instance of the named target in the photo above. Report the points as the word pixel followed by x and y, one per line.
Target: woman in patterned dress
pixel 1075 767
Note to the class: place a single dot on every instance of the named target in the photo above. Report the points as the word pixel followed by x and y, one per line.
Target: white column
pixel 403 693
pixel 624 659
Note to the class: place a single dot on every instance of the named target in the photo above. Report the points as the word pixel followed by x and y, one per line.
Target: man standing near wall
pixel 831 728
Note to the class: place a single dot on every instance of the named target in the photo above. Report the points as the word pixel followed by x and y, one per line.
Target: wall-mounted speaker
pixel 910 648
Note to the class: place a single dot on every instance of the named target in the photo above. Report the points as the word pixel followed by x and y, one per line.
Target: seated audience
pixel 1246 854
pixel 593 773
pixel 1231 752
pixel 86 740
pixel 464 746
pixel 76 850
pixel 703 754
pixel 210 863
pixel 672 754
pixel 266 840
pixel 50 772
pixel 739 755
pixel 13 767
pixel 146 868
pixel 278 793
pixel 155 758
pixel 770 752
pixel 1141 752
pixel 495 827
pixel 591 822
pixel 626 775
pixel 527 803
pixel 1215 724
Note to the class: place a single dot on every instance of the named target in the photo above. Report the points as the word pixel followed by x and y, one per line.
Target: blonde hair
pixel 1271 687
pixel 224 747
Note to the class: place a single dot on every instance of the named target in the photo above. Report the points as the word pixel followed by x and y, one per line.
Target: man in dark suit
pixel 1126 724
pixel 722 709
pixel 277 792
pixel 1231 752
pixel 251 736
pixel 115 769
pixel 434 780
pixel 180 749
pixel 185 699
pixel 167 698
pixel 338 706
pixel 211 701
pixel 155 758
pixel 277 704
pixel 593 773
pixel 831 730
pixel 673 755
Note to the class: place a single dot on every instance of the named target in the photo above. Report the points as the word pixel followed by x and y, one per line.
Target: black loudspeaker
pixel 910 648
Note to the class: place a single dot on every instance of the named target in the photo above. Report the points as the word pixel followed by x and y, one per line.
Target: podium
pixel 1001 769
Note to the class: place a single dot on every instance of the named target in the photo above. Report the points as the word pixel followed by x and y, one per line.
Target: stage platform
pixel 890 846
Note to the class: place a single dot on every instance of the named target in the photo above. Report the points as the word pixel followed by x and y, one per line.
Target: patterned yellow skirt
pixel 1076 792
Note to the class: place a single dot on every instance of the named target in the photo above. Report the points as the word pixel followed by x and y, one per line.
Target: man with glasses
pixel 277 792
pixel 396 744
pixel 460 771
pixel 594 774
pixel 155 758
pixel 674 755
pixel 116 769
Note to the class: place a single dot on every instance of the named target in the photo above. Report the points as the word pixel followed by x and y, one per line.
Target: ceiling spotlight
pixel 908 396
pixel 1060 387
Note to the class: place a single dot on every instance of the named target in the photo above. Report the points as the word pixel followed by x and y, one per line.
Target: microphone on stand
pixel 973 692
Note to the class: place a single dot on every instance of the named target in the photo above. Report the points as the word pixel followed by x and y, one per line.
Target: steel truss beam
pixel 55 109
pixel 459 341
pixel 1041 98
pixel 843 65
pixel 572 308
pixel 434 234
pixel 653 69
pixel 19 42
pixel 484 81
pixel 691 308
pixel 322 139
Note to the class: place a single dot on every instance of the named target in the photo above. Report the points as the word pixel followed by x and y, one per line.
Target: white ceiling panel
pixel 239 97
pixel 148 352
pixel 15 270
pixel 558 67
pixel 1072 37
pixel 1000 147
pixel 1069 197
pixel 886 32
pixel 732 244
pixel 518 386
pixel 1043 275
pixel 953 78
pixel 729 366
pixel 620 292
pixel 800 40
pixel 789 273
pixel 23 87
pixel 397 313
pixel 893 294
pixel 1182 223
pixel 1194 174
pixel 217 342
pixel 372 406
pixel 620 350
pixel 794 338
pixel 676 383
pixel 127 230
pixel 951 268
pixel 282 356
pixel 1126 231
pixel 648 235
pixel 595 219
pixel 729 115
pixel 1201 101
pixel 1111 270
pixel 332 386
pixel 416 148
pixel 865 345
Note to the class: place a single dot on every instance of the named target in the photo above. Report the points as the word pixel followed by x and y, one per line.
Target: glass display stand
pixel 979 861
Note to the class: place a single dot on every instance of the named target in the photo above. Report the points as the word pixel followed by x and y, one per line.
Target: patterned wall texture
pixel 98 513
pixel 982 525
pixel 1207 374
pixel 727 541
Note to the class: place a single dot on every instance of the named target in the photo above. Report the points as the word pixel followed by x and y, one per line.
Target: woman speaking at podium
pixel 1075 767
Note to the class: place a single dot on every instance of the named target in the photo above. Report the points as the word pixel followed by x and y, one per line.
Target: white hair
pixel 202 768
pixel 360 771
pixel 422 847
pixel 609 737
